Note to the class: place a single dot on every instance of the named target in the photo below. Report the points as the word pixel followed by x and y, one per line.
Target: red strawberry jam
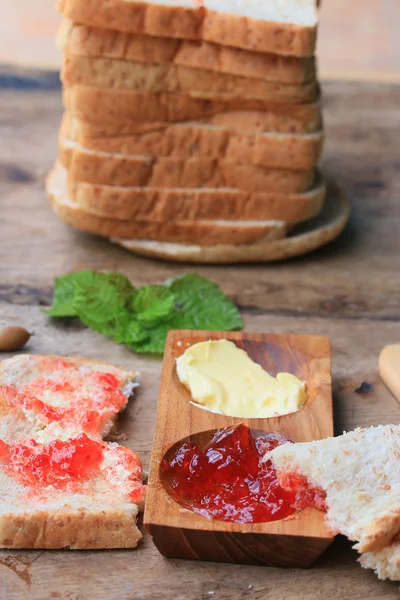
pixel 56 463
pixel 227 479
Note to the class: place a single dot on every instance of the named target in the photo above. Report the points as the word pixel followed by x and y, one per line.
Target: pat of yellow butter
pixel 223 378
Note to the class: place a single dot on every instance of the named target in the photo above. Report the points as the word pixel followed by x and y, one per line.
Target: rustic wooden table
pixel 349 291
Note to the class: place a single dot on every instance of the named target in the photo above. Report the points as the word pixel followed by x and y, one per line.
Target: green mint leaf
pixel 121 284
pixel 200 304
pixel 64 291
pixel 141 319
pixel 100 301
pixel 155 342
pixel 153 303
pixel 66 286
pixel 130 333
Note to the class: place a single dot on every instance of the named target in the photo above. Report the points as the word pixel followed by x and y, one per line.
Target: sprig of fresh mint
pixel 141 317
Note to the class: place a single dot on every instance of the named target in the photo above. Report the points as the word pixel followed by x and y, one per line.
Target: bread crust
pixel 203 231
pixel 159 205
pixel 102 107
pixel 293 245
pixel 206 232
pixel 81 40
pixel 385 562
pixel 196 22
pixel 102 168
pixel 51 520
pixel 118 74
pixel 293 119
pixel 183 141
pixel 75 529
pixel 303 241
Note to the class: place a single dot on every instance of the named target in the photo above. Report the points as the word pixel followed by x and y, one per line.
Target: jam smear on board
pixel 91 412
pixel 57 463
pixel 227 480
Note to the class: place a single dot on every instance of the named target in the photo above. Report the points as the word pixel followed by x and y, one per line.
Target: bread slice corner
pixel 360 473
pixel 96 513
pixel 385 563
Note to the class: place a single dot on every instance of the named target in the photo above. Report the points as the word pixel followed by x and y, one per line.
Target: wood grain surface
pixel 178 533
pixel 349 291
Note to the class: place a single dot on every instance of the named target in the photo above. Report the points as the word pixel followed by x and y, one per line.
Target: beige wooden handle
pixel 389 368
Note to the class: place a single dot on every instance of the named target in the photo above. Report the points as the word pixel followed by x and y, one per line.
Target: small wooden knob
pixel 389 368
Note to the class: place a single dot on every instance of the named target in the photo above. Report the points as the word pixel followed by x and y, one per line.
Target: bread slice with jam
pixel 359 472
pixel 61 485
pixel 44 398
pixel 79 493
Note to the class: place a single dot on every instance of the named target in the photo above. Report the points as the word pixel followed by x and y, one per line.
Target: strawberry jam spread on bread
pixel 57 463
pixel 359 473
pixel 67 465
pixel 49 397
pixel 61 485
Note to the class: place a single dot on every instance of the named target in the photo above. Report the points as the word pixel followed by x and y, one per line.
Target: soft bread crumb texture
pixel 284 11
pixel 92 513
pixel 385 562
pixel 360 473
pixel 35 375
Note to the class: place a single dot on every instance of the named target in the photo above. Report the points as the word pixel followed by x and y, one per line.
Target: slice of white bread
pixel 194 206
pixel 184 140
pixel 97 511
pixel 296 118
pixel 305 238
pixel 61 486
pixel 76 39
pixel 205 232
pixel 360 473
pixel 103 168
pixel 170 78
pixel 278 26
pixel 385 562
pixel 51 397
pixel 114 108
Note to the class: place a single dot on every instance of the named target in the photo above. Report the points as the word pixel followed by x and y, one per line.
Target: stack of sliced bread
pixel 189 121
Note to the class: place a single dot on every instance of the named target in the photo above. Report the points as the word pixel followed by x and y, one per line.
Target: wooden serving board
pixel 180 533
